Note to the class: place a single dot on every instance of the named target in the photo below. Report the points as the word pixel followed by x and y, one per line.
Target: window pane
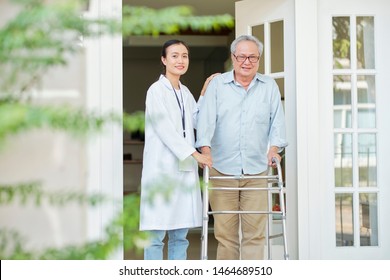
pixel 368 214
pixel 258 32
pixel 277 49
pixel 344 220
pixel 366 101
pixel 342 105
pixel 276 206
pixel 280 83
pixel 367 160
pixel 343 159
pixel 365 48
pixel 341 43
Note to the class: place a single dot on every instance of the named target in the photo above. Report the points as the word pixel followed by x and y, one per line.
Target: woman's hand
pixel 203 160
pixel 206 83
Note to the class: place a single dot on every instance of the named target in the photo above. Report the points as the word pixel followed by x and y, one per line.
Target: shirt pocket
pixel 262 113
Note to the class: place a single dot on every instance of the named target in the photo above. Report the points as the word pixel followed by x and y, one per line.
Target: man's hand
pixel 273 153
pixel 204 158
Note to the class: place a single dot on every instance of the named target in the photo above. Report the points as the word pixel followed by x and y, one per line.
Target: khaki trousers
pixel 239 236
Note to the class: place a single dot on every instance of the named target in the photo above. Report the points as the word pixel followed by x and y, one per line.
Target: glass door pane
pixel 355 133
pixel 341 43
pixel 368 216
pixel 344 219
pixel 277 49
pixel 258 32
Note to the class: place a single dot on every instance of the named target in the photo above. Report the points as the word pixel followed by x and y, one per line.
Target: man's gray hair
pixel 251 38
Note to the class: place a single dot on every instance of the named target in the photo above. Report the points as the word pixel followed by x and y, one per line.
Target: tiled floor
pixel 194 250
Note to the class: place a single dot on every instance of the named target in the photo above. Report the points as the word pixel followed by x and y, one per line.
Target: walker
pixel 275 184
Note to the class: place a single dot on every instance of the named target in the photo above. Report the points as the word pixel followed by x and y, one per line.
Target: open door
pixel 354 94
pixel 331 61
pixel 272 22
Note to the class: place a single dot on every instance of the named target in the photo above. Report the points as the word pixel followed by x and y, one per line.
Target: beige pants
pixel 249 245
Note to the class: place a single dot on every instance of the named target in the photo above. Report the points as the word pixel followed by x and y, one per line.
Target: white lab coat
pixel 170 189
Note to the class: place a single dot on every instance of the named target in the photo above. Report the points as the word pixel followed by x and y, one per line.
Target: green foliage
pixel 125 224
pixel 134 122
pixel 16 117
pixel 147 21
pixel 34 194
pixel 39 38
pixel 129 221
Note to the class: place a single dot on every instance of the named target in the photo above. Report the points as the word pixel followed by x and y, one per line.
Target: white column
pixel 104 95
pixel 309 212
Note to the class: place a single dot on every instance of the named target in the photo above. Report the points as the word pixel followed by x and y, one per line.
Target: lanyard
pixel 183 122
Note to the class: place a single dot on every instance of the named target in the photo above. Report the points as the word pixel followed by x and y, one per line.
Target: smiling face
pixel 176 60
pixel 246 69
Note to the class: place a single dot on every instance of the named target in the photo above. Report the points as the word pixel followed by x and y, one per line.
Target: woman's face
pixel 176 60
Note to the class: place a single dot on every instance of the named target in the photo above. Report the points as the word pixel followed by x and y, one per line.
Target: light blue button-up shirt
pixel 240 125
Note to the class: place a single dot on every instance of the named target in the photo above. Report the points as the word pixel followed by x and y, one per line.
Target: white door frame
pixel 104 95
pixel 308 130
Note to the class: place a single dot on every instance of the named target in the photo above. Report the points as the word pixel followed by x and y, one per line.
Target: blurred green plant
pixel 18 117
pixel 135 124
pixel 171 20
pixel 42 36
pixel 125 224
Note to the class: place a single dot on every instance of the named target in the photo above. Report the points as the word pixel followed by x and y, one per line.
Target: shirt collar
pixel 167 83
pixel 230 77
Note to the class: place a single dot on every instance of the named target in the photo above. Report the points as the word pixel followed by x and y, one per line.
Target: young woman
pixel 170 189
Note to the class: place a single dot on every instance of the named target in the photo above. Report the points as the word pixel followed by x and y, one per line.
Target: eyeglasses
pixel 242 58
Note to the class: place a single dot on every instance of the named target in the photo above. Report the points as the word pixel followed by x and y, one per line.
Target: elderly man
pixel 241 124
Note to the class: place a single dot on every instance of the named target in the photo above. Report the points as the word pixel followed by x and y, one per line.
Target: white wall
pixel 61 162
pixel 55 160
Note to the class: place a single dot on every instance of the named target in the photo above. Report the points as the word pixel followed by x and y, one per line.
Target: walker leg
pixel 205 213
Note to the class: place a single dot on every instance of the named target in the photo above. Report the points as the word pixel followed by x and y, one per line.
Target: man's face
pixel 246 59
